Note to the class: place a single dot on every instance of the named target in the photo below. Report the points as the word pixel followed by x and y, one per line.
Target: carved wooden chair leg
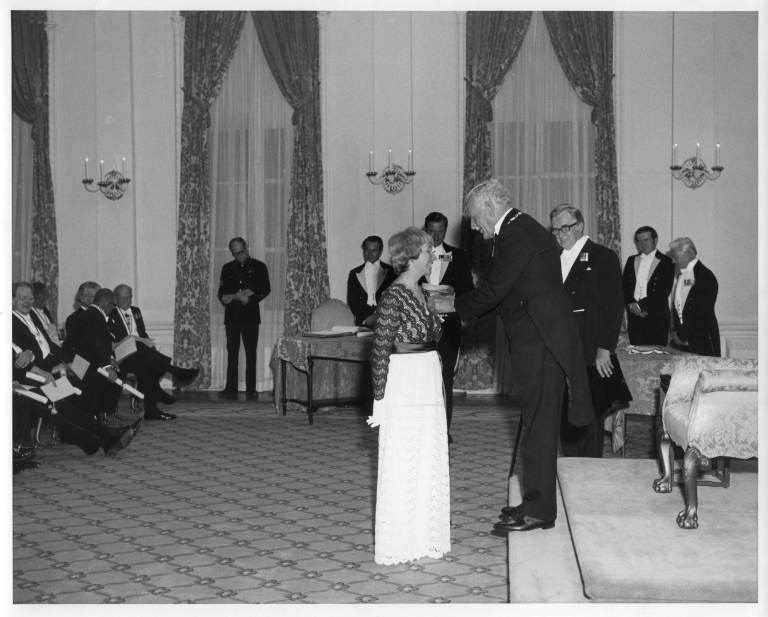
pixel 39 445
pixel 664 446
pixel 692 462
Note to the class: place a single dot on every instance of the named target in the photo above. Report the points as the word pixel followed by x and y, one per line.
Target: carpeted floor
pixel 232 503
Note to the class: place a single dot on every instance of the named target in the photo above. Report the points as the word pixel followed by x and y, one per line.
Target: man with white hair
pixel 693 302
pixel 525 287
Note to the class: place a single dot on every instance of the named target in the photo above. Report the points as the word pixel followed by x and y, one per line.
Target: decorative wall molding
pixel 739 339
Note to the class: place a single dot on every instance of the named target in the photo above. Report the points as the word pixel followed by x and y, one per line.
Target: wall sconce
pixel 693 172
pixel 113 186
pixel 394 177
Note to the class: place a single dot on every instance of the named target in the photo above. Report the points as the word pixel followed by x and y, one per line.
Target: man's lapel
pixel 654 263
pixel 380 277
pixel 361 279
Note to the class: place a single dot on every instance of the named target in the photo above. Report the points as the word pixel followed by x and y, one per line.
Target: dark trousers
pixel 99 394
pixel 249 331
pixel 22 420
pixel 651 330
pixel 448 349
pixel 585 441
pixel 541 383
pixel 148 373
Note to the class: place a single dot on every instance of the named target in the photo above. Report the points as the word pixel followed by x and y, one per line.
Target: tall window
pixel 543 146
pixel 251 144
pixel 542 136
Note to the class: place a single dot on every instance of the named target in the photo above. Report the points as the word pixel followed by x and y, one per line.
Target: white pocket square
pixel 578 310
pixel 588 269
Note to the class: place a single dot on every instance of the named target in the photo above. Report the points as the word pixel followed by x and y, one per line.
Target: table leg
pixel 282 379
pixel 310 410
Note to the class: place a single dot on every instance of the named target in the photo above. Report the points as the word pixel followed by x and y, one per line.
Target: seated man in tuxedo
pixel 647 282
pixel 366 283
pixel 40 308
pixel 93 341
pixel 126 320
pixel 451 267
pixel 83 301
pixel 37 354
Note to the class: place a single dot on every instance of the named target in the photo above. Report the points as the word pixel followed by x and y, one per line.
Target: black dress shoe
pixel 159 415
pixel 524 523
pixel 251 396
pixel 28 464
pixel 232 394
pixel 125 438
pixel 512 511
pixel 186 374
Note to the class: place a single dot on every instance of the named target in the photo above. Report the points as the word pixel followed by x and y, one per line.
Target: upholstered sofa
pixel 710 410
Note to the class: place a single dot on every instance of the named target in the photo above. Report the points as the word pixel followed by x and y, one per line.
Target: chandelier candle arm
pixel 693 172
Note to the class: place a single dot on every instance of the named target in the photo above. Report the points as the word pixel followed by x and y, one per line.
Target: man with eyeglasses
pixel 244 283
pixel 592 278
pixel 693 312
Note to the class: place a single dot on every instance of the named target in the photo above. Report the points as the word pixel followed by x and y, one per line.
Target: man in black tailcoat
pixel 693 302
pixel 451 267
pixel 367 282
pixel 592 279
pixel 526 289
pixel 647 282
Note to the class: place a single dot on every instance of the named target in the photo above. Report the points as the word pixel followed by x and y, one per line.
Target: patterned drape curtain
pixel 583 42
pixel 29 44
pixel 210 39
pixel 493 40
pixel 290 41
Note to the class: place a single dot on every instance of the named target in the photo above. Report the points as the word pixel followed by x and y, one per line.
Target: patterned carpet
pixel 232 503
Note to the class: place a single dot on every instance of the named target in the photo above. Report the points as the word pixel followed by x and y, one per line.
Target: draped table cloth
pixel 642 373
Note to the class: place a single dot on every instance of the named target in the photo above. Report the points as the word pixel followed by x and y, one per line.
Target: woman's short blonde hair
pixel 406 245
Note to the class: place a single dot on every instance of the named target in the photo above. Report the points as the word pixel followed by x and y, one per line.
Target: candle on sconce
pixel 389 162
pixel 101 170
pixel 86 167
pixel 410 159
pixel 370 162
pixel 717 155
pixel 123 167
pixel 698 153
pixel 674 155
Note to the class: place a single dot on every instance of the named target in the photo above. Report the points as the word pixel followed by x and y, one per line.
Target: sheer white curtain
pixel 542 138
pixel 251 141
pixel 23 162
pixel 542 142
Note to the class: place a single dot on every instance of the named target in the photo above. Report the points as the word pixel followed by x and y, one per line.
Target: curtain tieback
pixel 300 105
pixel 200 104
pixel 601 98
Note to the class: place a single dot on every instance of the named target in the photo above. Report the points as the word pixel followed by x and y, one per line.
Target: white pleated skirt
pixel 413 510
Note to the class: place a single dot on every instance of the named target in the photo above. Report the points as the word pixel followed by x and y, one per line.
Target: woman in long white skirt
pixel 413 490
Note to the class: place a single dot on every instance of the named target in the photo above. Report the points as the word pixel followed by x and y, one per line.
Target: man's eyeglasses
pixel 563 230
pixel 239 253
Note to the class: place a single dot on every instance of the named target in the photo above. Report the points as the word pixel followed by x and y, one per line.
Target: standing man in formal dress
pixel 244 283
pixel 647 282
pixel 451 267
pixel 694 323
pixel 84 299
pixel 366 283
pixel 592 278
pixel 526 289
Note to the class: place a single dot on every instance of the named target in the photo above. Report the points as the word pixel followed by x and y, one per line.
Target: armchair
pixel 710 409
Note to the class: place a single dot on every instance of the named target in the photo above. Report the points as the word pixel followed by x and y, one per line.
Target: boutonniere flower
pixel 584 257
pixel 446 257
pixel 687 282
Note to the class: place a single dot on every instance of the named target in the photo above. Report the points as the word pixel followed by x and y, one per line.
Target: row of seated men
pixel 93 330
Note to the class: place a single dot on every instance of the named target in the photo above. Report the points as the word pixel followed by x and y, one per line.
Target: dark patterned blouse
pixel 403 319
